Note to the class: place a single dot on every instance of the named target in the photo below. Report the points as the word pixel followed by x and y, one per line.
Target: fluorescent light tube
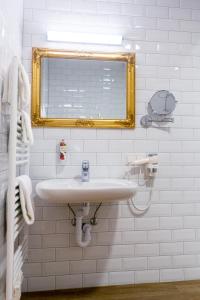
pixel 88 38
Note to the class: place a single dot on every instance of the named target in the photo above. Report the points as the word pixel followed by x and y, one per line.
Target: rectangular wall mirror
pixel 79 89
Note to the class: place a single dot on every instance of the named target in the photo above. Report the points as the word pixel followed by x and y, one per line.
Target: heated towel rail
pixel 18 164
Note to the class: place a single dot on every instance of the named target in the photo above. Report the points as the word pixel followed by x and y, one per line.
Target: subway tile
pixel 196 14
pixel 55 213
pixel 133 10
pixel 58 5
pixel 168 24
pixel 182 261
pixel 43 227
pixel 121 251
pixel 44 146
pixel 83 134
pixel 96 252
pixel 138 263
pixel 131 237
pixel 117 278
pixel 82 7
pixel 108 8
pixel 157 60
pixel 159 235
pixel 56 133
pixel 99 172
pixel 191 222
pixel 194 4
pixel 109 238
pixel 180 13
pixel 146 276
pixel 190 26
pixel 36 159
pixel 37 4
pixel 159 210
pixel 55 268
pixel 171 222
pixel 121 224
pixel 146 223
pixel 68 171
pixel 109 212
pixel 84 266
pixel 192 273
pixel 168 3
pixel 157 11
pixel 120 146
pixel 173 248
pixel 109 265
pixel 95 279
pixel 109 159
pixel 77 158
pixel 96 146
pixel 55 240
pixel 34 241
pixel 145 2
pixel 143 22
pixel 191 247
pixel 75 146
pixel 68 281
pixel 42 172
pixel 157 84
pixel 171 275
pixel 71 253
pixel 179 37
pixel 146 249
pixel 105 134
pixel 183 209
pixel 32 269
pixel 64 226
pixel 159 262
pixel 41 255
pixel 41 283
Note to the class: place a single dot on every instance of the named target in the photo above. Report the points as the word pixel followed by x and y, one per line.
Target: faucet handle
pixel 85 164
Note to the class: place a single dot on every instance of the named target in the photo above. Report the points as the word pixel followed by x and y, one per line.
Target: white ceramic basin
pixel 75 191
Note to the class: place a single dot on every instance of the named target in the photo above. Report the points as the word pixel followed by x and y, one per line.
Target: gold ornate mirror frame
pixel 38 121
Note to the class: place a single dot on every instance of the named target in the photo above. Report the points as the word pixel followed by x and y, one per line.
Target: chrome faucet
pixel 85 170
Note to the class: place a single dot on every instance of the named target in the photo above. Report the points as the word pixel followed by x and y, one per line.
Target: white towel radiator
pixel 16 228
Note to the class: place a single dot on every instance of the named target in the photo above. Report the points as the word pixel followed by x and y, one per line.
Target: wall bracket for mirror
pixel 159 109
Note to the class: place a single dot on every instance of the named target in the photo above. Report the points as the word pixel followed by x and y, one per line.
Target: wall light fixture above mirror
pixel 84 38
pixel 83 89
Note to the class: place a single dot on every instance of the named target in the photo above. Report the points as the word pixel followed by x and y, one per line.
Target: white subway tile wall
pixel 163 244
pixel 10 44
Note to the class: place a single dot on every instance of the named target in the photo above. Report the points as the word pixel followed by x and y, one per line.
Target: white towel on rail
pixel 27 134
pixel 23 86
pixel 18 286
pixel 7 89
pixel 23 98
pixel 24 89
pixel 25 190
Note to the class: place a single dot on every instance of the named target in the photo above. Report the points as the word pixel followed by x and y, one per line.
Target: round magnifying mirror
pixel 162 103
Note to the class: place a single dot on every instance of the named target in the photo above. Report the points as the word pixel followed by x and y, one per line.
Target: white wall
pixel 10 44
pixel 164 244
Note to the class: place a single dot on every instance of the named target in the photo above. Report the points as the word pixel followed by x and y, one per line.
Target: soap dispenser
pixel 62 150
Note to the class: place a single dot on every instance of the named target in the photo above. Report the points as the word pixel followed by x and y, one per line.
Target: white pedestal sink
pixel 76 191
